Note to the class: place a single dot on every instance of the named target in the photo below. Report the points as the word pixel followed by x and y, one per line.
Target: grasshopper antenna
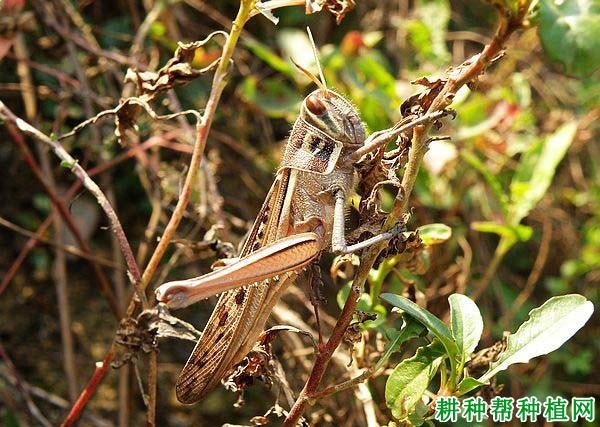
pixel 320 83
pixel 314 48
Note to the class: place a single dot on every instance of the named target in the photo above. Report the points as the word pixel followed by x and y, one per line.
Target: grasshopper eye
pixel 315 106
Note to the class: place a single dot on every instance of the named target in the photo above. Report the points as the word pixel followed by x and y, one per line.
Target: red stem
pixel 90 389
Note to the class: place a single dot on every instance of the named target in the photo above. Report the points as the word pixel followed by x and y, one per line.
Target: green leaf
pixel 548 327
pixel 409 380
pixel 511 233
pixel 420 415
pixel 570 34
pixel 467 326
pixel 67 165
pixel 435 325
pixel 507 234
pixel 467 385
pixel 411 329
pixel 434 234
pixel 536 170
pixel 273 60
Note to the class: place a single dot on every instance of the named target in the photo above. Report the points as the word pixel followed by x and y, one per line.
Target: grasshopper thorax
pixel 327 127
pixel 334 115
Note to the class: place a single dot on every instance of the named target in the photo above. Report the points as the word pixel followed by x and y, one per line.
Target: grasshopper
pixel 302 216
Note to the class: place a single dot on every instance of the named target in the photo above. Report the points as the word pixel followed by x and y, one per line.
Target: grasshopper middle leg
pixel 338 239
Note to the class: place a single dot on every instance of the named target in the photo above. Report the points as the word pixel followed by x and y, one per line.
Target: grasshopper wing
pixel 240 314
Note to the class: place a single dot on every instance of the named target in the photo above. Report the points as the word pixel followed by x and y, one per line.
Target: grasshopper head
pixel 335 116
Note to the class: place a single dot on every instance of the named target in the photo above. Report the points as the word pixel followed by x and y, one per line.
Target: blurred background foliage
pixel 529 126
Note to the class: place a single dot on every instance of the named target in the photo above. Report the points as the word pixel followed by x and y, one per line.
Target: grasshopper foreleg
pixel 381 138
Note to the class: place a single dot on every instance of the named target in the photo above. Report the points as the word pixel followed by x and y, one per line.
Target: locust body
pixel 295 224
pixel 302 216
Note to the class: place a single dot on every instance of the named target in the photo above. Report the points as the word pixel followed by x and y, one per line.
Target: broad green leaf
pixel 548 327
pixel 410 329
pixel 435 325
pixel 570 34
pixel 434 234
pixel 467 326
pixel 409 380
pixel 536 170
pixel 467 385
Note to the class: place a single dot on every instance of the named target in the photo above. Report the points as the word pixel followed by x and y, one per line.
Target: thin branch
pixel 50 398
pixel 72 250
pixel 60 276
pixel 31 406
pixel 152 370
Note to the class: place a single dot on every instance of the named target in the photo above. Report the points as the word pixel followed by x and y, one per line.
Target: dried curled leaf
pixel 178 70
pixel 339 8
pixel 410 251
pixel 126 114
pixel 142 333
pixel 252 367
pixel 419 103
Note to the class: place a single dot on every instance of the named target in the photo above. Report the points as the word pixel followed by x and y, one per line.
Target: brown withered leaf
pixel 480 363
pixel 409 250
pixel 339 8
pixel 142 333
pixel 178 70
pixel 353 334
pixel 254 366
pixel 258 364
pixel 420 102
